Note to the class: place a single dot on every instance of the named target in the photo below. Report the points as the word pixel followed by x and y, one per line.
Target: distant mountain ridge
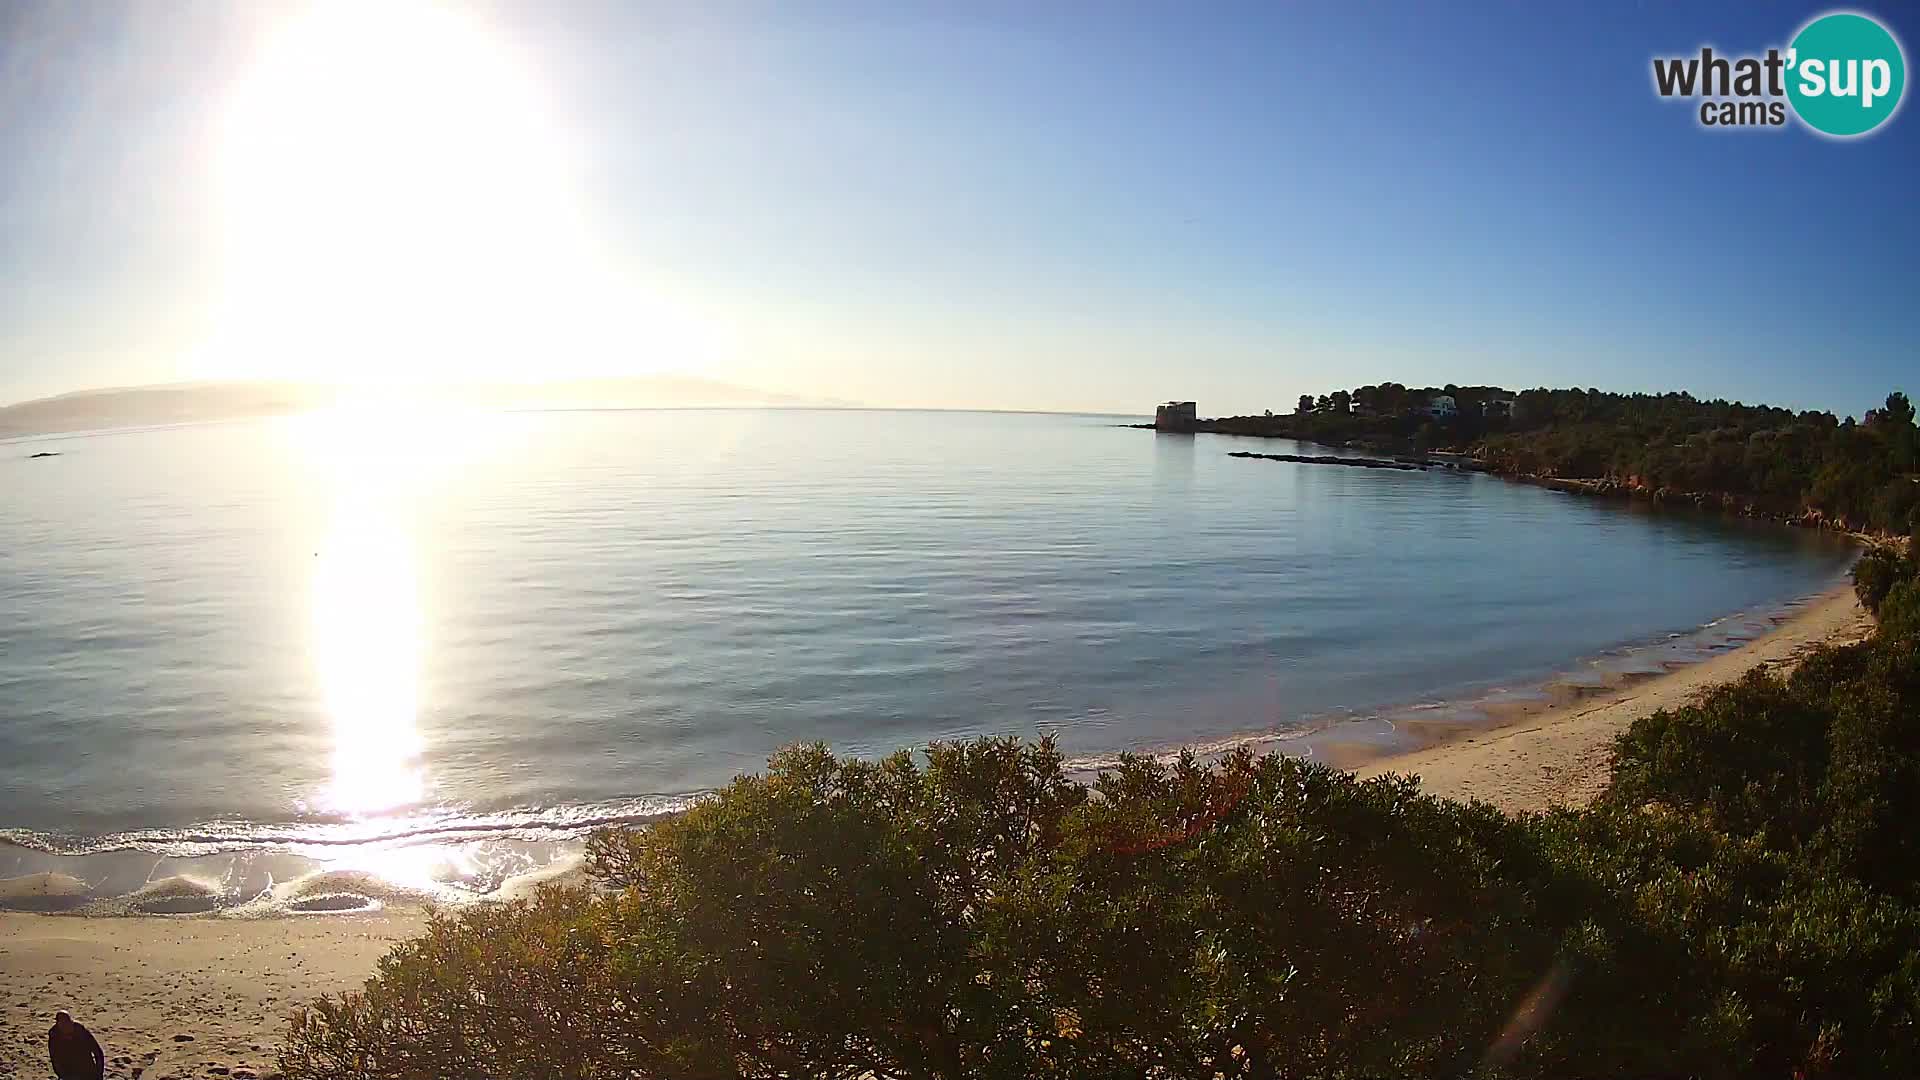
pixel 207 402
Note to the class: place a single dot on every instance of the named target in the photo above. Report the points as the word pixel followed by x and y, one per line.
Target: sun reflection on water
pixel 377 463
pixel 367 645
pixel 428 869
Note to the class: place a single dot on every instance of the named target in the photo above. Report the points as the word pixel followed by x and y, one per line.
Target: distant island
pixel 1808 467
pixel 209 402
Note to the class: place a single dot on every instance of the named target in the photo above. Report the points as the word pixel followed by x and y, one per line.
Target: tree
pixel 1898 411
pixel 1341 401
pixel 1772 460
pixel 1306 404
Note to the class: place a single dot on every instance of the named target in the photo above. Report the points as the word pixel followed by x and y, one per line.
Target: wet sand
pixel 1558 751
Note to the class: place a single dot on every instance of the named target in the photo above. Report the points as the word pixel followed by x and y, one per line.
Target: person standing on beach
pixel 74 1052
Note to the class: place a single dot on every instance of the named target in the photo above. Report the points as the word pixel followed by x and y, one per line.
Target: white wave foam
pixel 317 838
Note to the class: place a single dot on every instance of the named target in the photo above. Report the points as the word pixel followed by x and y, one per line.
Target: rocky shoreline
pixel 1402 464
pixel 1716 501
pixel 1606 487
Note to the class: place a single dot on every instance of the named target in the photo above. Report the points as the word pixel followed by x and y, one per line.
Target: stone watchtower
pixel 1175 416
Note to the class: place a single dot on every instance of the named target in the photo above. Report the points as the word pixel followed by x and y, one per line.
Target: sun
pixel 398 202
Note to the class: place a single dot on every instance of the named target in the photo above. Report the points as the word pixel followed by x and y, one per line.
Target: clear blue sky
pixel 1027 205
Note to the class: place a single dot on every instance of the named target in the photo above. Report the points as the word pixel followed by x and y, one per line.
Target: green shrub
pixel 978 915
pixel 981 916
pixel 516 989
pixel 1877 572
pixel 1900 610
pixel 1782 968
pixel 1750 755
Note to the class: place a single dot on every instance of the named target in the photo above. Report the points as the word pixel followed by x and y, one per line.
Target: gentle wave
pixel 1382 725
pixel 571 821
pixel 212 838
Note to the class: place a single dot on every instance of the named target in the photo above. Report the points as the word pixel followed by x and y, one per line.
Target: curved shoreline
pixel 1363 740
pixel 1560 754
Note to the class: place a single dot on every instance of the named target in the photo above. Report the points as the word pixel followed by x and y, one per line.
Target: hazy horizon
pixel 771 399
pixel 411 389
pixel 950 206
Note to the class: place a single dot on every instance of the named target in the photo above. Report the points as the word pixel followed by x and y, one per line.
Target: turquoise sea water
pixel 286 635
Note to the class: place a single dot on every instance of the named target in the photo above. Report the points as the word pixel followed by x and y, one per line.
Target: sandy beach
pixel 177 997
pixel 1561 754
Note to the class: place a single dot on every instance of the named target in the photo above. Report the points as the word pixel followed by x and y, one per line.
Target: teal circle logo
pixel 1845 74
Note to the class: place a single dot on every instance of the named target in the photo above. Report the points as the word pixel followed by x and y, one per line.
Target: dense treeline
pixel 1743 901
pixel 1864 476
pixel 1388 417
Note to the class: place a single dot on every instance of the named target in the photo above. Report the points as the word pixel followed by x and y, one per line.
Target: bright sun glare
pixel 399 207
pixel 399 204
pixel 368 648
pixel 369 634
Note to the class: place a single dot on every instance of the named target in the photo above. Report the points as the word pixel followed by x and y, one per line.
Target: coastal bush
pixel 518 989
pixel 1772 967
pixel 980 915
pixel 1900 611
pixel 1877 571
pixel 1750 755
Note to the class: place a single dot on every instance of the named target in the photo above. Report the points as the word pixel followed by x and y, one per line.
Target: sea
pixel 307 663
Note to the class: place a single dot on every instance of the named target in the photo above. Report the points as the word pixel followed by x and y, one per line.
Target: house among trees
pixel 1442 405
pixel 1176 416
